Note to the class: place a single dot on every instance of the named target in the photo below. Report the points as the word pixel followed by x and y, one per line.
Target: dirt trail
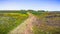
pixel 26 27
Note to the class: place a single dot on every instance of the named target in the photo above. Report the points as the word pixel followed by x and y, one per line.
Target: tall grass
pixel 9 21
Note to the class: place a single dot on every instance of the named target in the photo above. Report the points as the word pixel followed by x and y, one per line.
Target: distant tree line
pixel 19 11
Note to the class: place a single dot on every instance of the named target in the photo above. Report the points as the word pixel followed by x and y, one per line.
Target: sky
pixel 51 5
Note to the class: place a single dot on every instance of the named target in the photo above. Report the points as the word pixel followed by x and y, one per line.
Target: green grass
pixel 9 21
pixel 37 30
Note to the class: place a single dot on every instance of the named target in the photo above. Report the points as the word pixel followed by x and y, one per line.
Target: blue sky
pixel 51 5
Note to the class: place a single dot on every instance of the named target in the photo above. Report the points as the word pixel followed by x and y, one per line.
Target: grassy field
pixel 9 21
pixel 50 23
